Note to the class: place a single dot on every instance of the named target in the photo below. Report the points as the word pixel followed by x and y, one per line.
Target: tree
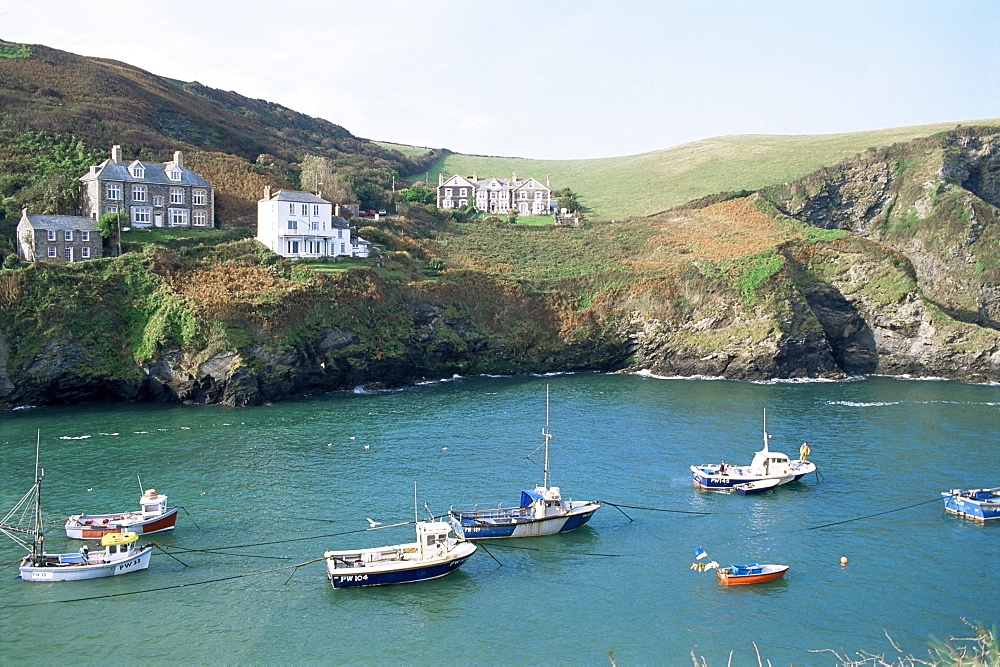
pixel 567 200
pixel 318 175
pixel 418 194
pixel 110 226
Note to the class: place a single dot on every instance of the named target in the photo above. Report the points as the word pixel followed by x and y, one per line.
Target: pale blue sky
pixel 561 79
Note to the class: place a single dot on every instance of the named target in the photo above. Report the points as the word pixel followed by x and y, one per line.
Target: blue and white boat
pixel 433 555
pixel 542 510
pixel 978 504
pixel 765 466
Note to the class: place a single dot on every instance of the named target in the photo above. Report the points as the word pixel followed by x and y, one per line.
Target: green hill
pixel 636 185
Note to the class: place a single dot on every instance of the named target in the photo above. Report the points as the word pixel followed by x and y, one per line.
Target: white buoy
pixel 843 560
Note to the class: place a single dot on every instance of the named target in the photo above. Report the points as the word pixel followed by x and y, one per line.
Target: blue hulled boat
pixel 542 510
pixel 765 466
pixel 433 555
pixel 978 504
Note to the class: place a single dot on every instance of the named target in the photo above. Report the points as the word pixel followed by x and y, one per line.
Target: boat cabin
pixel 153 504
pixel 766 462
pixel 542 501
pixel 432 537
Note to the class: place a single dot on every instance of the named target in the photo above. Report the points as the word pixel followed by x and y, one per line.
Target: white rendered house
pixel 301 224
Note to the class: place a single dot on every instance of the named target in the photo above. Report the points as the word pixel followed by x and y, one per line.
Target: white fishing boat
pixel 153 516
pixel 542 510
pixel 766 466
pixel 120 553
pixel 433 555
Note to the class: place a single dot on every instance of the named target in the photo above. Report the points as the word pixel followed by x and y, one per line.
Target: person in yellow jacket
pixel 804 451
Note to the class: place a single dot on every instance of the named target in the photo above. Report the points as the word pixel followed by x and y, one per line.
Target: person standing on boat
pixel 804 451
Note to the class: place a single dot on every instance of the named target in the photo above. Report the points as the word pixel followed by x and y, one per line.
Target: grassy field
pixel 638 185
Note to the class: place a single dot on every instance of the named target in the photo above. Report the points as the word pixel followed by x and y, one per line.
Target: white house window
pixel 291 209
pixel 113 191
pixel 51 251
pixel 342 251
pixel 138 171
pixel 84 236
pixel 139 193
pixel 199 219
pixel 68 235
pixel 316 209
pixel 462 192
pixel 524 195
pixel 293 225
pixel 178 217
pixel 85 252
pixel 176 196
pixel 447 192
pixel 314 225
pixel 174 174
pixel 112 209
pixel 305 209
pixel 141 215
pixel 198 197
pixel 69 254
pixel 51 235
pixel 314 247
pixel 340 233
pixel 293 247
pixel 158 201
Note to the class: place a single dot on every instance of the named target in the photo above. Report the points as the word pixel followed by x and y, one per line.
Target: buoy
pixel 843 560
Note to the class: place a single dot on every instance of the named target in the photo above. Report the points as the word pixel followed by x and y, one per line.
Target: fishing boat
pixel 541 511
pixel 120 553
pixel 433 555
pixel 749 574
pixel 757 486
pixel 978 504
pixel 766 465
pixel 153 516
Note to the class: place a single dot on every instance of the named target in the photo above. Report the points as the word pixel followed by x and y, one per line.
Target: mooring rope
pixel 555 551
pixel 167 588
pixel 652 509
pixel 868 516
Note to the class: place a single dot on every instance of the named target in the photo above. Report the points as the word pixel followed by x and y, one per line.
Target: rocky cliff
pixel 905 281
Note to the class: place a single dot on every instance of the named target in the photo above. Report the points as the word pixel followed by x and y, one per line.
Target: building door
pixel 158 219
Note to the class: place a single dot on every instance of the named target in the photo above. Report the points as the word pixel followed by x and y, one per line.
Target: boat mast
pixel 548 436
pixel 38 541
pixel 765 430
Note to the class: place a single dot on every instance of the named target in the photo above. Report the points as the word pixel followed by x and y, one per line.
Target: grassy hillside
pixel 634 185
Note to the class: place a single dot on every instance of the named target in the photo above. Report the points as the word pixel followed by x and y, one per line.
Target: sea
pixel 266 490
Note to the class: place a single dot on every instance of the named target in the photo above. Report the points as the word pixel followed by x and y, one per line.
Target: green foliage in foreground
pixel 14 50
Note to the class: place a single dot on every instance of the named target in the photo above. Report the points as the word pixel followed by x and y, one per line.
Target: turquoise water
pixel 300 469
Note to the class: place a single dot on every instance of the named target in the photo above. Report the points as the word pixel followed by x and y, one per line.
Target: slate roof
pixel 155 172
pixel 339 222
pixel 294 195
pixel 62 222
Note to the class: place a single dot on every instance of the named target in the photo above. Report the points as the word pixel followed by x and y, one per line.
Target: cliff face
pixel 911 288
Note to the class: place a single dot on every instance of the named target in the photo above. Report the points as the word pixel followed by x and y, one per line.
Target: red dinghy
pixel 749 574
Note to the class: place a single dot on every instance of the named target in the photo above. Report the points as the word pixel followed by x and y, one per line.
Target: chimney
pixel 267 192
pixel 179 159
pixel 336 210
pixel 116 154
pixel 475 177
pixel 440 178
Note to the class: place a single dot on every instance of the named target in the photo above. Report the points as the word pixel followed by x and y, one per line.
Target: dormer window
pixel 138 171
pixel 174 174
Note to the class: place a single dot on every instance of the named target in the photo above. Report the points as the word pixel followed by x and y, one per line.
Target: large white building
pixel 301 224
pixel 494 195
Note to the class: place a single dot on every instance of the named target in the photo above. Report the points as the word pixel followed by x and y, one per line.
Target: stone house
pixel 153 194
pixel 301 224
pixel 58 238
pixel 527 196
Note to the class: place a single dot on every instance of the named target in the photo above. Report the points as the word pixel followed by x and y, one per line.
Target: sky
pixel 557 79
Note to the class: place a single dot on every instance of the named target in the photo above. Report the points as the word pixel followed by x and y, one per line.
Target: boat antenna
pixel 140 485
pixel 548 436
pixel 416 519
